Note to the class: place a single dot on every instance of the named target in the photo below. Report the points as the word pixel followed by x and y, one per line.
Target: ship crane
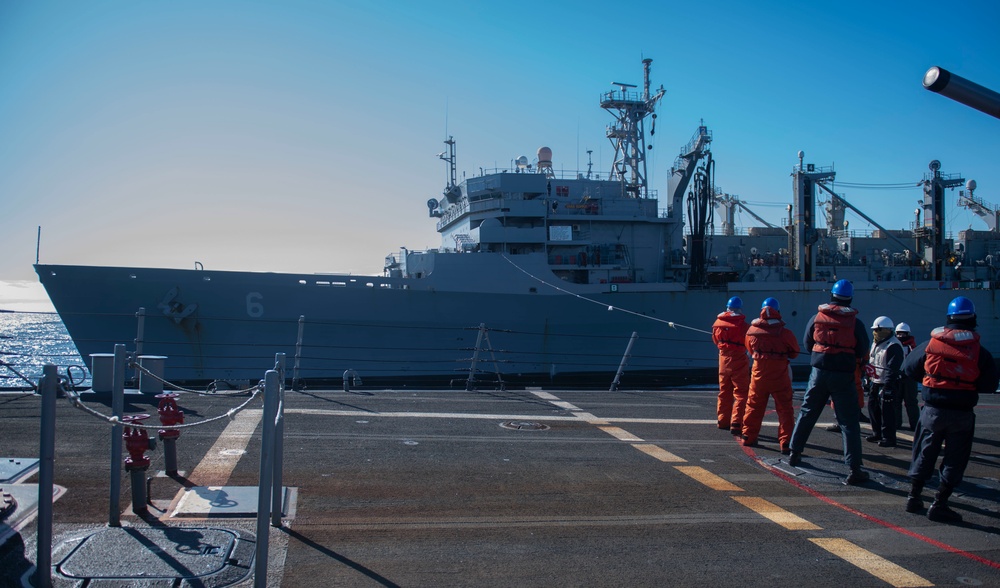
pixel 729 204
pixel 684 166
pixel 989 213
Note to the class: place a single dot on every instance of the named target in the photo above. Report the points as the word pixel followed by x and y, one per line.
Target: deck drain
pixel 524 426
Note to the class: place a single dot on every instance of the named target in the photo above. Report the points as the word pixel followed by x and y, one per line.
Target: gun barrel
pixel 937 79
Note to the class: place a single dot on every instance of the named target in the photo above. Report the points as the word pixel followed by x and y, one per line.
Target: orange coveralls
pixel 772 346
pixel 729 334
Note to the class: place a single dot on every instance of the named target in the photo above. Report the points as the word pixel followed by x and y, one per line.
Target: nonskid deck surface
pixel 495 488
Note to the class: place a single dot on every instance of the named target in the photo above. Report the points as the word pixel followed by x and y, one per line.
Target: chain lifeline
pixel 173 386
pixel 75 400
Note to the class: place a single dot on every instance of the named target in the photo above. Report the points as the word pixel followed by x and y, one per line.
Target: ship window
pixel 533 290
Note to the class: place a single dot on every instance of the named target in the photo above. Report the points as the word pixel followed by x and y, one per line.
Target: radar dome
pixel 970 185
pixel 522 161
pixel 544 156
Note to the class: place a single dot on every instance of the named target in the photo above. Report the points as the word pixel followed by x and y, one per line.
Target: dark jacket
pixel 986 383
pixel 837 362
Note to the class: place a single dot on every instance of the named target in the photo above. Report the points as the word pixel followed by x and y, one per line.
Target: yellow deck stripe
pixel 620 434
pixel 590 418
pixel 658 453
pixel 776 514
pixel 879 567
pixel 708 478
pixel 218 464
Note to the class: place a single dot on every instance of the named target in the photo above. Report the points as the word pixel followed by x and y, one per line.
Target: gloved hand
pixel 887 392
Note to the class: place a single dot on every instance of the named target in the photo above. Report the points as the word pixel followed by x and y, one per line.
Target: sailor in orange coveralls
pixel 729 333
pixel 772 346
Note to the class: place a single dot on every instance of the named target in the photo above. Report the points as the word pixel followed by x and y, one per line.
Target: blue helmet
pixel 961 306
pixel 735 303
pixel 843 289
pixel 770 303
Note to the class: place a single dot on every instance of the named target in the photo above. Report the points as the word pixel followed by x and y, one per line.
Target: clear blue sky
pixel 302 136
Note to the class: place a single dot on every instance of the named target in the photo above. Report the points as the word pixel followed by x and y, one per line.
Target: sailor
pixel 728 333
pixel 837 340
pixel 954 369
pixel 772 346
pixel 883 391
pixel 908 387
pixel 859 372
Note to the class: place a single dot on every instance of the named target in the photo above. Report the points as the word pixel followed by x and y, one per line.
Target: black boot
pixel 914 503
pixel 939 511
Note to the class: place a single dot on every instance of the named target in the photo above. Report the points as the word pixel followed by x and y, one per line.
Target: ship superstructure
pixel 544 276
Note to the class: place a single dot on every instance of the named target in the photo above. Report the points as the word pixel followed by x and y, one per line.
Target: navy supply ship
pixel 544 278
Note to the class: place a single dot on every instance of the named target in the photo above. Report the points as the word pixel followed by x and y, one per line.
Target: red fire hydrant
pixel 136 464
pixel 170 415
pixel 136 442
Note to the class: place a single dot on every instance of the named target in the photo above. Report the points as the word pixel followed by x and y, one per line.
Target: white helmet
pixel 882 322
pixel 902 328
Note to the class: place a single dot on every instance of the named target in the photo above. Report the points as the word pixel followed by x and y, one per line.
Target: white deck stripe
pixel 503 417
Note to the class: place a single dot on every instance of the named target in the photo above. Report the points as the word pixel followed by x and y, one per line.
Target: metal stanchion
pixel 139 339
pixel 271 393
pixel 298 355
pixel 46 464
pixel 117 408
pixel 277 492
pixel 621 366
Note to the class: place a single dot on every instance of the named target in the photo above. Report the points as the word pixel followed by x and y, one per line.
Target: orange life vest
pixel 728 332
pixel 764 339
pixel 833 329
pixel 952 359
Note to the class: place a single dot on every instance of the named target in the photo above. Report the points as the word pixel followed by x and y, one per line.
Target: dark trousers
pixel 908 398
pixel 942 426
pixel 824 386
pixel 882 411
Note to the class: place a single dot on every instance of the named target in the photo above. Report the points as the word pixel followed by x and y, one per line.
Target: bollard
pixel 151 384
pixel 46 462
pixel 136 464
pixel 102 372
pixel 170 415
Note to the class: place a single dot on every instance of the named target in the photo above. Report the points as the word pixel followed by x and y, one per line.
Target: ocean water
pixel 31 339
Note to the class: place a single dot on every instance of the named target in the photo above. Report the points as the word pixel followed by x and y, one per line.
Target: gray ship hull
pixel 219 325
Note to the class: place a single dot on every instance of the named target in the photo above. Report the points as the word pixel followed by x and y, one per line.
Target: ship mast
pixel 932 235
pixel 628 133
